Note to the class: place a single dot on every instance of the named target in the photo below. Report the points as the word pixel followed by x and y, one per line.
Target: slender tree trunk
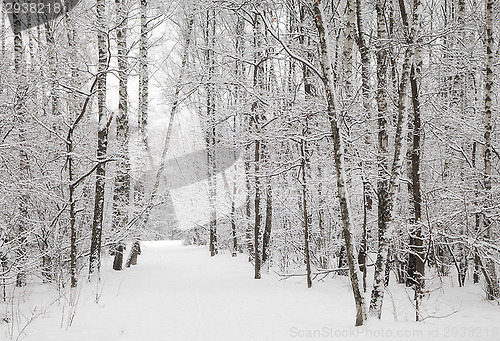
pixel 364 239
pixel 102 140
pixel 493 291
pixel 258 216
pixel 143 81
pixel 72 204
pixel 233 222
pixel 416 256
pixel 248 210
pixel 239 101
pixel 211 137
pixel 324 258
pixel 477 268
pixel 2 32
pixel 23 203
pixel 348 54
pixel 144 155
pixel 388 181
pixel 365 93
pixel 122 176
pixel 338 146
pixel 377 296
pixel 258 83
pixel 266 237
pixel 306 218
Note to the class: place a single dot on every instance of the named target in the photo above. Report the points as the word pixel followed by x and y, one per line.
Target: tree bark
pixel 122 176
pixel 211 136
pixel 23 203
pixel 388 181
pixel 338 146
pixel 102 140
pixel 493 290
pixel 306 218
pixel 266 237
pixel 384 213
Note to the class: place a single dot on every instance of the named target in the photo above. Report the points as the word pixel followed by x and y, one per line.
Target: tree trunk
pixel 388 182
pixel 134 253
pixel 266 237
pixel 477 268
pixel 102 140
pixel 143 113
pixel 211 136
pixel 23 203
pixel 306 218
pixel 415 274
pixel 348 46
pixel 258 84
pixel 122 176
pixel 384 213
pixel 338 146
pixel 493 291
pixel 258 217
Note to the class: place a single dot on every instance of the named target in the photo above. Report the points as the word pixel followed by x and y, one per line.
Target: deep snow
pixel 179 293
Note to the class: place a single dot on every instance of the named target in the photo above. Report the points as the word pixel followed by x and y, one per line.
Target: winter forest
pixel 249 169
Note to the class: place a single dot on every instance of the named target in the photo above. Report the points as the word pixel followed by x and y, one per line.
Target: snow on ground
pixel 179 293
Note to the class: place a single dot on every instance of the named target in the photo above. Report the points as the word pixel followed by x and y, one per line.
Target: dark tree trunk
pixel 135 251
pixel 122 177
pixel 266 237
pixel 23 205
pixel 102 142
pixel 257 223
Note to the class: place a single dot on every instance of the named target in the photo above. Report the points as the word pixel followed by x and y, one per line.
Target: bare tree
pixel 493 291
pixel 338 146
pixel 102 139
pixel 121 189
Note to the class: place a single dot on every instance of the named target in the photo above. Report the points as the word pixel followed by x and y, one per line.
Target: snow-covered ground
pixel 179 293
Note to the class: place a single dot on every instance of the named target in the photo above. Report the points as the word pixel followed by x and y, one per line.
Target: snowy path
pixel 180 293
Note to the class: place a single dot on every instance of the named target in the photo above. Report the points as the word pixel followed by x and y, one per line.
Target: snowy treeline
pixel 331 137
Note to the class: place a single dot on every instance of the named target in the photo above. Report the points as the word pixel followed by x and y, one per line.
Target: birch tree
pixel 102 138
pixel 493 291
pixel 338 146
pixel 121 188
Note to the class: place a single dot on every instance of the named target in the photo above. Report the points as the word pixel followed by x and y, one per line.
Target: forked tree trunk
pixel 338 146
pixel 388 182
